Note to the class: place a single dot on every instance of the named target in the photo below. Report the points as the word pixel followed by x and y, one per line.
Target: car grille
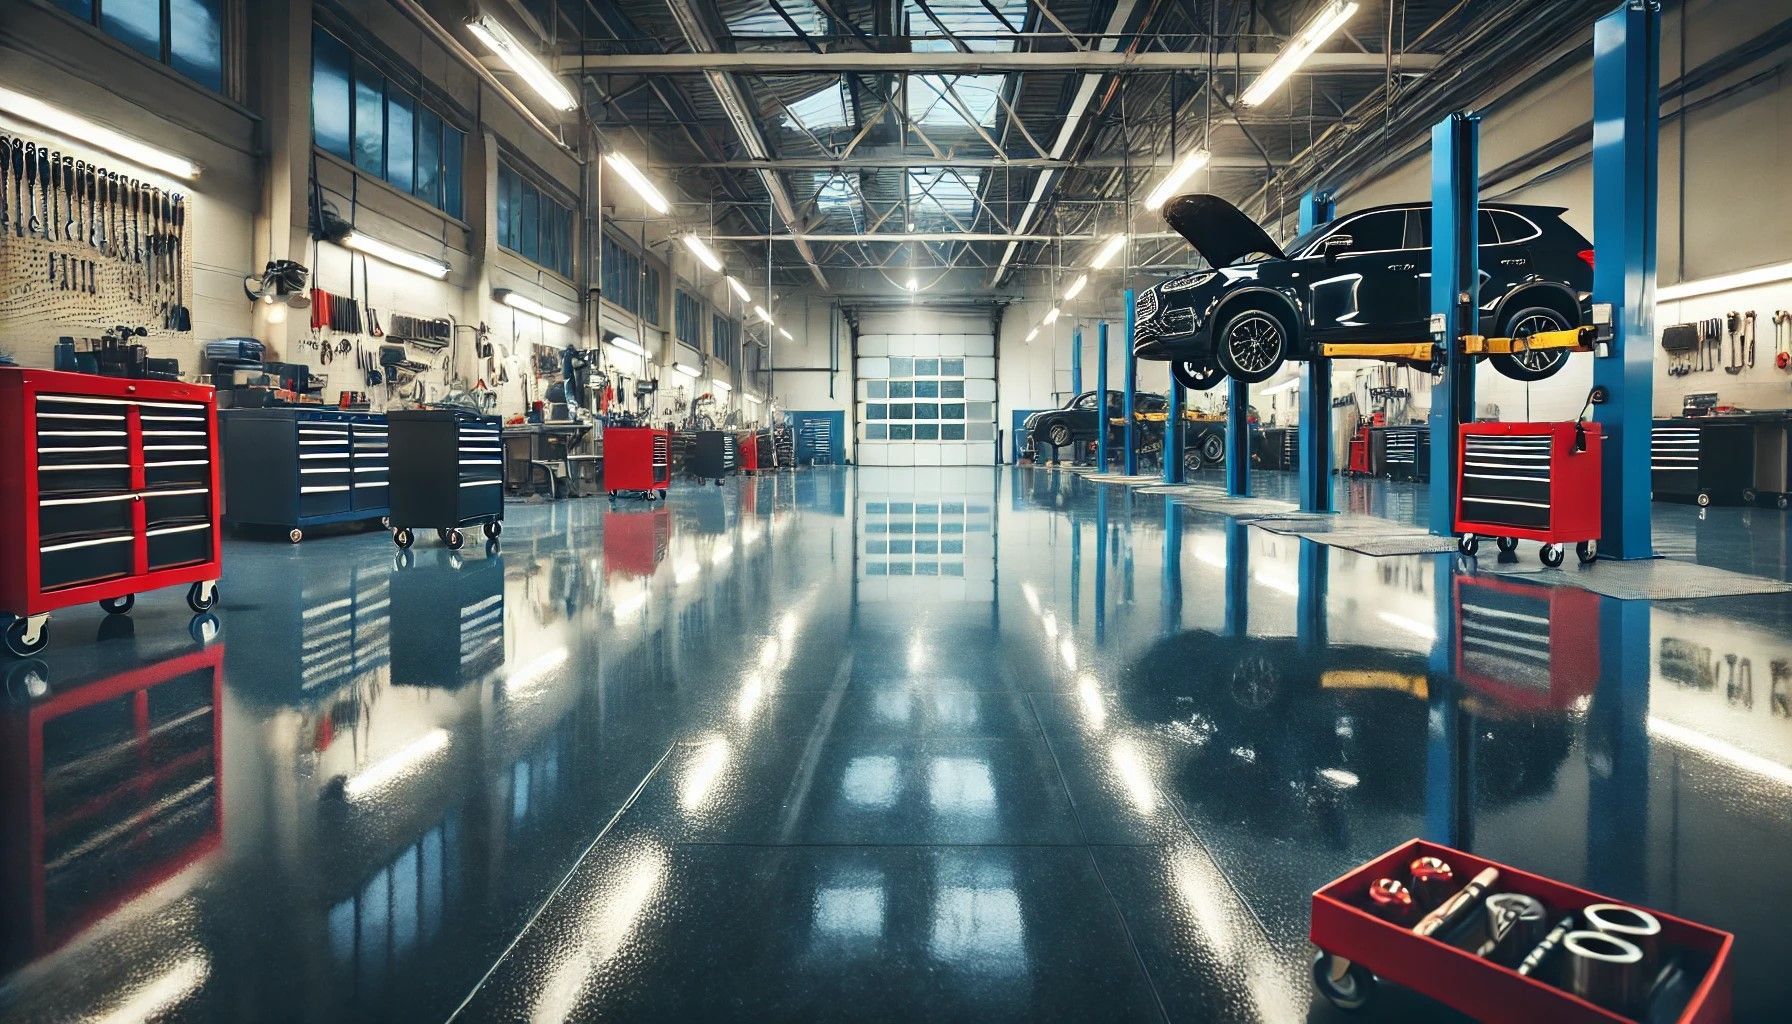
pixel 1147 307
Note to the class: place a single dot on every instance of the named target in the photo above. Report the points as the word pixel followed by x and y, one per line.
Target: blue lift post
pixel 1172 567
pixel 1238 578
pixel 1455 293
pixel 1076 359
pixel 1172 447
pixel 1101 565
pixel 1102 413
pixel 1315 431
pixel 1626 130
pixel 1238 439
pixel 1132 386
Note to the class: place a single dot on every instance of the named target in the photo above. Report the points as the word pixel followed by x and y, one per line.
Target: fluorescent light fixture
pixel 79 129
pixel 1105 255
pixel 739 289
pixel 394 255
pixel 913 285
pixel 782 333
pixel 530 306
pixel 1076 287
pixel 638 181
pixel 1034 333
pixel 760 312
pixel 704 253
pixel 1052 317
pixel 1183 170
pixel 721 385
pixel 1293 55
pixel 395 764
pixel 750 397
pixel 506 47
pixel 687 369
pixel 1726 283
pixel 1281 386
pixel 628 345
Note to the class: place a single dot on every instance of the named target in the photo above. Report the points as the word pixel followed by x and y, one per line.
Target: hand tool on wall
pixel 45 164
pixel 68 198
pixel 1782 339
pixel 93 207
pixel 5 184
pixel 32 220
pixel 17 199
pixel 1748 328
pixel 53 224
pixel 1733 324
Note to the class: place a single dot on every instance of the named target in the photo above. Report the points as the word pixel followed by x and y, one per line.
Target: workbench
pixel 542 448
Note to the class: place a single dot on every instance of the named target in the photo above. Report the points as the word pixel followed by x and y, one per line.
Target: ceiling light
pixel 394 255
pixel 760 312
pixel 703 253
pixel 911 225
pixel 628 345
pixel 530 306
pixel 1052 317
pixel 1727 283
pixel 516 57
pixel 782 333
pixel 1107 252
pixel 721 385
pixel 1034 333
pixel 1076 287
pixel 687 369
pixel 638 181
pixel 739 289
pixel 79 129
pixel 750 397
pixel 1181 172
pixel 1298 50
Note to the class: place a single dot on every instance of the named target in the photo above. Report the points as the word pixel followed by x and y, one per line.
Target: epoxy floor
pixel 860 745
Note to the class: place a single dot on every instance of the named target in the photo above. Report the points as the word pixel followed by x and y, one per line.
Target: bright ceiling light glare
pixel 786 335
pixel 913 285
pixel 161 995
pixel 721 385
pixel 1034 333
pixel 1293 55
pixel 751 398
pixel 1109 249
pixel 531 307
pixel 739 289
pixel 628 345
pixel 1727 283
pixel 401 762
pixel 1052 317
pixel 703 252
pixel 1076 287
pixel 687 369
pixel 638 181
pixel 759 311
pixel 517 58
pixel 394 255
pixel 1184 169
pixel 79 129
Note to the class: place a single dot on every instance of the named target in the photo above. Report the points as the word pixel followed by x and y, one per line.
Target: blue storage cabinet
pixel 295 467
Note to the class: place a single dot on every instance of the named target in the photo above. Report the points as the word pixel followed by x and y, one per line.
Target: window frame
pixel 552 225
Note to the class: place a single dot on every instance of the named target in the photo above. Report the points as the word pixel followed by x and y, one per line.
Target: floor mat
pixel 1122 478
pixel 1365 535
pixel 1238 508
pixel 1657 579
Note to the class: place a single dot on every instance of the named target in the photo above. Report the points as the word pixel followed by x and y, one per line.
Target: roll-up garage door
pixel 926 399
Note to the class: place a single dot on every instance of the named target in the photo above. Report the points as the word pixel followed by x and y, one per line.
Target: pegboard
pixel 84 248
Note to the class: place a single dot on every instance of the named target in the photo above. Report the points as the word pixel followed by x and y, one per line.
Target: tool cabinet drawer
pixel 175 504
pixel 324 499
pixel 179 544
pixel 85 514
pixel 66 475
pixel 68 560
pixel 371 495
pixel 481 498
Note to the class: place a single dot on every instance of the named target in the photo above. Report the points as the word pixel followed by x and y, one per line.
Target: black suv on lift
pixel 1365 277
pixel 1204 444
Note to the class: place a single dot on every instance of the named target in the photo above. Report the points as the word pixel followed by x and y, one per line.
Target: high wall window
pixel 630 281
pixel 365 117
pixel 186 35
pixel 687 318
pixel 533 224
pixel 725 335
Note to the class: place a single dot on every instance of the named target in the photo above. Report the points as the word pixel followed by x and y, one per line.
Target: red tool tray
pixel 1486 990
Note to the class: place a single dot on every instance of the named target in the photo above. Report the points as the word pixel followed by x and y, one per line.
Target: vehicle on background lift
pixel 1363 278
pixel 1204 442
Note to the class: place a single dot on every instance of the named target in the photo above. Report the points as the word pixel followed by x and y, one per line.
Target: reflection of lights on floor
pixel 627 606
pixel 960 784
pixel 722 553
pixel 1680 735
pixel 769 653
pixel 1275 581
pixel 1210 554
pixel 1032 595
pixel 614 911
pixel 1204 893
pixel 1422 630
pixel 787 627
pixel 532 671
pixel 751 692
pixel 1050 622
pixel 1067 651
pixel 157 997
pixel 850 909
pixel 701 779
pixel 1094 711
pixel 917 655
pixel 686 571
pixel 872 781
pixel 395 764
pixel 1134 776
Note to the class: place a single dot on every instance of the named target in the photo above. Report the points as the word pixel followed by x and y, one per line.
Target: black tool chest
pixel 447 473
pixel 299 467
pixel 1407 452
pixel 1706 460
pixel 714 454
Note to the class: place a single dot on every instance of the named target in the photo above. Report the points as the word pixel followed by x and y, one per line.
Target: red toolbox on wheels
pixel 748 447
pixel 1529 481
pixel 108 488
pixel 638 460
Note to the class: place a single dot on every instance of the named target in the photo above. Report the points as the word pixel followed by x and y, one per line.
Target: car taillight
pixel 1586 256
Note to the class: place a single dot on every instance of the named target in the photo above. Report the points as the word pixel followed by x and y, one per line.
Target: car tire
pixel 1540 364
pixel 1213 448
pixel 1252 346
pixel 1058 434
pixel 1197 374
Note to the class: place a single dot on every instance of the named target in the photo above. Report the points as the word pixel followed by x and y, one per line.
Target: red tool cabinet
pixel 108 488
pixel 1357 947
pixel 748 447
pixel 637 459
pixel 1529 481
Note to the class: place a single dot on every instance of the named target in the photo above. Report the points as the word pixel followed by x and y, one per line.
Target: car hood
pixel 1217 230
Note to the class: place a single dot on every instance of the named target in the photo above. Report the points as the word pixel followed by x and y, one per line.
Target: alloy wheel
pixel 1255 343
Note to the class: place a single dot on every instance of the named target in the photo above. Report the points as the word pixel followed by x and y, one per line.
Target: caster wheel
pixel 118 605
pixel 492 529
pixel 17 642
pixel 1587 551
pixel 662 494
pixel 385 522
pixel 202 597
pixel 204 628
pixel 612 495
pixel 453 539
pixel 718 483
pixel 1782 501
pixel 1748 496
pixel 1552 555
pixel 1507 544
pixel 1346 985
pixel 404 560
pixel 442 535
pixel 402 537
pixel 1704 499
pixel 1468 544
pixel 295 535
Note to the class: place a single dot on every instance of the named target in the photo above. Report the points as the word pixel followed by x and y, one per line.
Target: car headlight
pixel 1183 284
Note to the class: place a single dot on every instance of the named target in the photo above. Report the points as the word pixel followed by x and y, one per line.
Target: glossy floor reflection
pixel 860 744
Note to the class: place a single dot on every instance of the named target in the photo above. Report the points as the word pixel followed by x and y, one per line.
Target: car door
pixel 1366 289
pixel 1081 416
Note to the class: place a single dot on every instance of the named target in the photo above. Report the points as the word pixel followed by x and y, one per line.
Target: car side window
pixel 1086 402
pixel 1418 229
pixel 1513 228
pixel 1376 232
pixel 1488 228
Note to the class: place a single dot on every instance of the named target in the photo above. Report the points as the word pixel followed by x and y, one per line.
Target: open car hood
pixel 1217 230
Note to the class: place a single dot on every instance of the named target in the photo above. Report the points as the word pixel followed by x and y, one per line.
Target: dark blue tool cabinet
pixel 299 467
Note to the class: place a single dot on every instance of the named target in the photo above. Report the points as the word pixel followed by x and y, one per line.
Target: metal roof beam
pixel 1108 62
pixel 882 162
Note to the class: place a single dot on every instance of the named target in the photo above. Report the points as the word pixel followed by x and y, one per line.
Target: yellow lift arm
pixel 1579 339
